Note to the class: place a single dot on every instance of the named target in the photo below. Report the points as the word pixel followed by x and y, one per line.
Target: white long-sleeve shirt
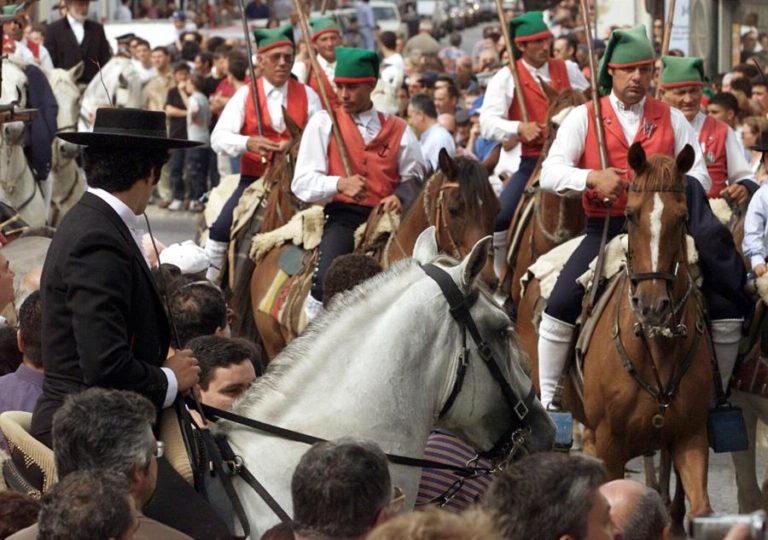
pixel 559 171
pixel 755 240
pixel 738 168
pixel 433 140
pixel 311 181
pixel 226 137
pixel 494 123
pixel 301 69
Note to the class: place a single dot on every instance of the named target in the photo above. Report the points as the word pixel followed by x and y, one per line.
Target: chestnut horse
pixel 652 323
pixel 457 199
pixel 551 219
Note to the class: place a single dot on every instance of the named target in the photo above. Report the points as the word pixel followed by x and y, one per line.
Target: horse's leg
pixel 748 491
pixel 665 476
pixel 650 472
pixel 609 449
pixel 271 336
pixel 691 458
pixel 677 508
pixel 588 443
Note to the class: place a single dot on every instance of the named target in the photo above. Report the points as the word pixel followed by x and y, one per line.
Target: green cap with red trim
pixel 355 65
pixel 323 25
pixel 626 48
pixel 529 26
pixel 679 71
pixel 269 38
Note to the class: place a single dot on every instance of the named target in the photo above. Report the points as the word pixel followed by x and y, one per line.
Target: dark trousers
pixel 341 221
pixel 221 227
pixel 513 192
pixel 196 169
pixel 176 170
pixel 721 265
pixel 213 169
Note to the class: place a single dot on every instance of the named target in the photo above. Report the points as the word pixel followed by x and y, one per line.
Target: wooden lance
pixel 512 66
pixel 666 39
pixel 323 94
pixel 252 73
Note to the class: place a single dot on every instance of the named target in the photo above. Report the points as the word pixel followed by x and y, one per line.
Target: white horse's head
pixel 480 413
pixel 15 85
pixel 116 85
pixel 64 85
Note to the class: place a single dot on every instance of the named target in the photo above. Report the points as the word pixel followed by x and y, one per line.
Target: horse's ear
pixel 447 164
pixel 426 246
pixel 550 92
pixel 293 128
pixel 493 159
pixel 685 159
pixel 473 265
pixel 76 71
pixel 636 157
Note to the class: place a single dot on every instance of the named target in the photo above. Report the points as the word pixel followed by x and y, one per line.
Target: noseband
pixel 514 437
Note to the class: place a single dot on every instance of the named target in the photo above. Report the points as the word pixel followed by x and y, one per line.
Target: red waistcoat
pixel 250 163
pixel 376 161
pixel 313 83
pixel 655 133
pixel 536 100
pixel 712 140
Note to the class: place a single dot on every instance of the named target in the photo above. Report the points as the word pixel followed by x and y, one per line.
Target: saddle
pixel 30 468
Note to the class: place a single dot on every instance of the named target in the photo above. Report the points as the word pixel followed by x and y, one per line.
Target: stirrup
pixel 726 429
pixel 563 421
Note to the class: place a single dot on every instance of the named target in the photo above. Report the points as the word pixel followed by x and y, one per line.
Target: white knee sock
pixel 312 308
pixel 726 334
pixel 554 347
pixel 499 252
pixel 216 252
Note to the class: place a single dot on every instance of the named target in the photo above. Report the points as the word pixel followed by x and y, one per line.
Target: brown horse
pixel 457 200
pixel 647 376
pixel 547 220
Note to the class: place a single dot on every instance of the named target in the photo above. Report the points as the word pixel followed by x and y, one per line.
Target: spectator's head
pixel 78 9
pixel 10 355
pixel 742 84
pixel 237 65
pixel 203 63
pixel 196 83
pixel 437 524
pixel 355 75
pixel 463 126
pixel 189 49
pixel 181 73
pixel 161 59
pixel 143 52
pixel 340 489
pixel 29 334
pixel 326 36
pixel 347 272
pixel 198 309
pixel 6 282
pixel 752 127
pixel 227 368
pixel 425 26
pixel 108 430
pixel 565 47
pixel 551 496
pixel 37 34
pixel 446 99
pixel 637 511
pixel 422 113
pixel 220 56
pixel 455 39
pixel 388 41
pixel 448 121
pixel 187 256
pixel 402 100
pixel 748 42
pixel 213 43
pixel 416 84
pixel 760 92
pixel 17 512
pixel 276 53
pixel 487 60
pixel 745 70
pixel 88 504
pixel 724 107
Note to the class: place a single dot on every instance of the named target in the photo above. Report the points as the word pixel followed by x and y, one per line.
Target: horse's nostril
pixel 663 304
pixel 635 302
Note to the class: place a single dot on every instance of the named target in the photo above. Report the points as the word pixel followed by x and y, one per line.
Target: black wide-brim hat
pixel 128 128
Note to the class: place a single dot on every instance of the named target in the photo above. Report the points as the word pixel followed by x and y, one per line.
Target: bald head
pixel 637 510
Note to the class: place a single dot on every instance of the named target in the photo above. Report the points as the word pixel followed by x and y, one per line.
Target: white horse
pixel 380 365
pixel 66 179
pixel 17 183
pixel 117 84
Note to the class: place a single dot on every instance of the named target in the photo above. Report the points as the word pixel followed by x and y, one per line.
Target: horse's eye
pixel 631 216
pixel 454 211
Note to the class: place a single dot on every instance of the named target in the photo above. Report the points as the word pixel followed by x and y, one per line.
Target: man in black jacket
pixel 76 38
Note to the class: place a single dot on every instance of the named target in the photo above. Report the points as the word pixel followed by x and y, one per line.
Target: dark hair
pixel 181 65
pixel 743 84
pixel 455 39
pixel 573 43
pixel 339 487
pixel 218 352
pixel 222 50
pixel 10 355
pixel 17 511
pixel 162 49
pixel 545 495
pixel 759 81
pixel 198 81
pixel 144 42
pixel 86 505
pixel 30 316
pixel 388 39
pixel 346 272
pixel 168 278
pixel 648 519
pixel 281 531
pixel 214 42
pixel 116 170
pixel 749 70
pixel 103 429
pixel 423 103
pixel 725 100
pixel 206 58
pixel 452 91
pixel 190 49
pixel 198 309
pixel 238 64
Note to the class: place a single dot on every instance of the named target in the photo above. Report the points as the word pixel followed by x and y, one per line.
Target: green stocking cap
pixel 11 9
pixel 529 26
pixel 269 38
pixel 681 72
pixel 323 25
pixel 626 48
pixel 356 65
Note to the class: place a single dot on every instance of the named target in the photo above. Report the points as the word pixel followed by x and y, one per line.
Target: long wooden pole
pixel 512 66
pixel 666 39
pixel 323 94
pixel 254 94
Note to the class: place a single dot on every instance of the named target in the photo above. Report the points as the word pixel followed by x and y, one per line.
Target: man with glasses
pixel 326 36
pixel 236 132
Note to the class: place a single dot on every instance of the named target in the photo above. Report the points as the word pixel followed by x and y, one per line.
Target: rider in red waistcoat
pixel 500 117
pixel 630 115
pixel 236 132
pixel 326 36
pixel 731 175
pixel 384 157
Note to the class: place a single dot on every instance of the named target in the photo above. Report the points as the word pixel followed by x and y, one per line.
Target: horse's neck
pixel 280 209
pixel 409 230
pixel 560 218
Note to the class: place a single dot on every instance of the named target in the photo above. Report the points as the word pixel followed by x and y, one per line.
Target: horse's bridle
pixel 442 229
pixel 514 437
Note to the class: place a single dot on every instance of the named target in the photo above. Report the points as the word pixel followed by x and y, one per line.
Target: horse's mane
pixel 474 186
pixel 659 174
pixel 300 347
